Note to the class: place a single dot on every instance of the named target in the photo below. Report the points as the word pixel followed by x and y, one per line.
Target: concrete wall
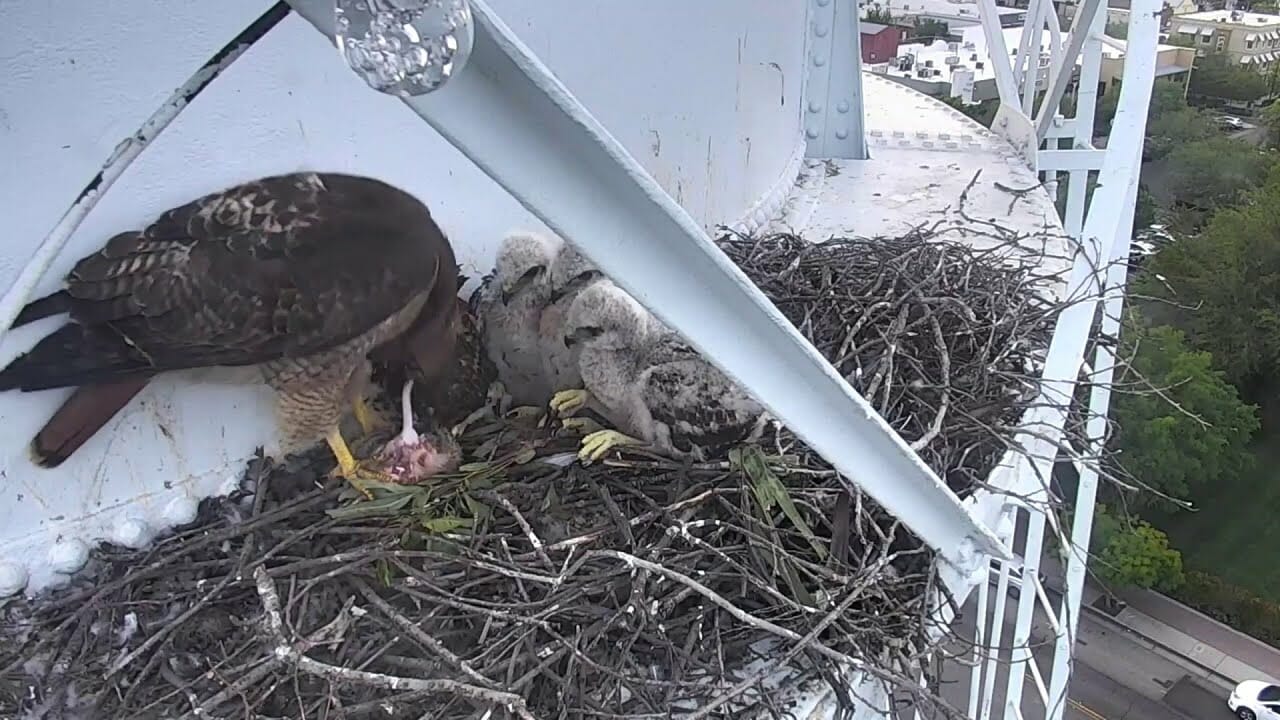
pixel 706 95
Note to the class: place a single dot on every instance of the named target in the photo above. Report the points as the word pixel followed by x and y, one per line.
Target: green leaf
pixel 386 505
pixel 383 569
pixel 446 524
pixel 770 492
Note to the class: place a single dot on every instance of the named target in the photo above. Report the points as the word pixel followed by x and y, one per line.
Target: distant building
pixel 957 15
pixel 1173 63
pixel 963 68
pixel 880 42
pixel 1249 38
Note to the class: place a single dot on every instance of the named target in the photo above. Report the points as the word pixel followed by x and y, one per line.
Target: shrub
pixel 1231 605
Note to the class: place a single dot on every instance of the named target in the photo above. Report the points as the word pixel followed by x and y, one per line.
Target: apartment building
pixel 1249 38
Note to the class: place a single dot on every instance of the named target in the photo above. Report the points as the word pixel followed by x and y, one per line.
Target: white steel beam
pixel 510 116
pixel 833 93
pixel 1087 489
pixel 993 647
pixel 1027 60
pixel 1117 182
pixel 1086 104
pixel 979 644
pixel 1081 27
pixel 1006 81
pixel 1070 160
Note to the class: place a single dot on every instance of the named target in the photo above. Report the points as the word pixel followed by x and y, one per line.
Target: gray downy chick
pixel 653 385
pixel 510 306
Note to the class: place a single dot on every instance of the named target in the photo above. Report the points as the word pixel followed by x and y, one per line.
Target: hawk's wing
pixel 280 267
pixel 699 405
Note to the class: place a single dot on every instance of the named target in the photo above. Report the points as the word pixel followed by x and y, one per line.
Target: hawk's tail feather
pixel 75 355
pixel 80 417
pixel 47 306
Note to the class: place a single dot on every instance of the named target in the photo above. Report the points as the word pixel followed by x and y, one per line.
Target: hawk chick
pixel 510 306
pixel 651 383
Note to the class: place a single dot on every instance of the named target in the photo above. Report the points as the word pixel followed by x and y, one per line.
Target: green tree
pixel 983 112
pixel 1170 122
pixel 1118 30
pixel 928 29
pixel 1180 426
pixel 1216 173
pixel 1131 553
pixel 1270 119
pixel 1177 128
pixel 877 14
pixel 1217 76
pixel 1226 283
pixel 1144 211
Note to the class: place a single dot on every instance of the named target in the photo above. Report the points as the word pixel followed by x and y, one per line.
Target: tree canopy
pixel 1216 75
pixel 1216 172
pixel 879 14
pixel 1180 426
pixel 1130 552
pixel 1270 119
pixel 1230 274
pixel 927 28
pixel 1170 121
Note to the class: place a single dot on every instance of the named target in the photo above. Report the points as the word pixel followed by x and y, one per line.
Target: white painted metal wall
pixel 715 117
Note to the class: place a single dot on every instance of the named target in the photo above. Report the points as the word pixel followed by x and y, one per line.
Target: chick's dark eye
pixel 593 331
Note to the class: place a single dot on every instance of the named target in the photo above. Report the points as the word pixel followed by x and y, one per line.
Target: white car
pixel 1231 123
pixel 1255 700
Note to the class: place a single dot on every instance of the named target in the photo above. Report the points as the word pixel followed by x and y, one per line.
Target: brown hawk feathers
pixel 302 275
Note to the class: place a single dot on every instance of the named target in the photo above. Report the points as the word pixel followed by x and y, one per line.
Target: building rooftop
pixel 973 43
pixel 948 9
pixel 1232 17
pixel 871 28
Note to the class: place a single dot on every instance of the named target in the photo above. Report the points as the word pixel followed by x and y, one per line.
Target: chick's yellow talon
pixel 524 413
pixel 595 445
pixel 584 425
pixel 368 418
pixel 352 470
pixel 567 402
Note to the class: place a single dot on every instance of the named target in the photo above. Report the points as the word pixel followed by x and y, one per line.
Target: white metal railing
pixel 1098 272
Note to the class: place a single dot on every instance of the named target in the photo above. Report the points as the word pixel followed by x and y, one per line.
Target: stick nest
pixel 530 586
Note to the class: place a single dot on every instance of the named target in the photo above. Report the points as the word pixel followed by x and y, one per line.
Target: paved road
pixel 1113 678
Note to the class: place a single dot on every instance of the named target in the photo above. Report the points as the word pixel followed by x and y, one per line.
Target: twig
pixel 287 651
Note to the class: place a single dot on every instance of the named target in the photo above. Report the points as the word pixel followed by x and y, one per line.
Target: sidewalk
pixel 1203 639
pixel 1223 654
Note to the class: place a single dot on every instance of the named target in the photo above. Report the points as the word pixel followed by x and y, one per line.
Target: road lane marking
pixel 1093 714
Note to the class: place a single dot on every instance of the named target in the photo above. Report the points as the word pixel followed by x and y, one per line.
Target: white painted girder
pixel 1117 183
pixel 523 128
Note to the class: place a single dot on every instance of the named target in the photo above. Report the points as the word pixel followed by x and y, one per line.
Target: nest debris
pixel 525 586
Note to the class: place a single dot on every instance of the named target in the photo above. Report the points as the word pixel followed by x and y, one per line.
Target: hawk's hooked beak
pixel 580 334
pixel 520 282
pixel 574 284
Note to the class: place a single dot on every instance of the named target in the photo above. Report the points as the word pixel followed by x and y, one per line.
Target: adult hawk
pixel 301 275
